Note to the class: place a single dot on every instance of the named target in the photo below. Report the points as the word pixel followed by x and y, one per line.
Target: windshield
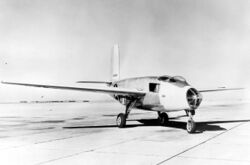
pixel 173 79
pixel 179 78
pixel 164 78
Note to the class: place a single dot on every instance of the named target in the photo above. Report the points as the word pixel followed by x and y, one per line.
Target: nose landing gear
pixel 191 125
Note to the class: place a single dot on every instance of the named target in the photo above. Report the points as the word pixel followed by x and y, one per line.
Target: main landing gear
pixel 121 120
pixel 122 117
pixel 191 126
pixel 163 118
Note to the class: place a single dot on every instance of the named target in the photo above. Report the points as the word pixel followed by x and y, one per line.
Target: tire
pixel 163 119
pixel 121 120
pixel 191 126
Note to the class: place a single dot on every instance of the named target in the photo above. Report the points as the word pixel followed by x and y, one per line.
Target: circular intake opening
pixel 194 98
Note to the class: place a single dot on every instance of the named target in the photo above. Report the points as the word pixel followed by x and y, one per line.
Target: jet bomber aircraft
pixel 162 94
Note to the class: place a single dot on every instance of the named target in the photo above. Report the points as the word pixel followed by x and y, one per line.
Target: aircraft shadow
pixel 201 126
pixel 102 126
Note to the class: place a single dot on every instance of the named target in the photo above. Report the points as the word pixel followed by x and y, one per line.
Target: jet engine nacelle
pixel 174 97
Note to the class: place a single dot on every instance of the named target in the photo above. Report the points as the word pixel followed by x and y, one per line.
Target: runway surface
pixel 85 133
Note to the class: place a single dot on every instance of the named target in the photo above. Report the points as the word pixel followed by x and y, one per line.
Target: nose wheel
pixel 191 125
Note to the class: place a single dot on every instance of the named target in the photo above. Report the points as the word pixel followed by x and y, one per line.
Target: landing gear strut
pixel 163 118
pixel 191 126
pixel 192 112
pixel 122 117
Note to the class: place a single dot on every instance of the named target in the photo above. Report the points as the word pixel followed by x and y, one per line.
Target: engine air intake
pixel 194 98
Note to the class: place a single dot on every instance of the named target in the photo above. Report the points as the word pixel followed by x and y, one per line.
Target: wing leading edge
pixel 95 82
pixel 107 90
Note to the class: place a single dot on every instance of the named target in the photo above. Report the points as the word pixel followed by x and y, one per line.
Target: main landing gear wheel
pixel 121 120
pixel 191 126
pixel 122 117
pixel 163 119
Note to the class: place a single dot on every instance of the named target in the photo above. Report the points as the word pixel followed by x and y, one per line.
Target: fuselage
pixel 164 93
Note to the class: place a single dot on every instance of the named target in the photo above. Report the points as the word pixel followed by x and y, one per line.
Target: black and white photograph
pixel 128 82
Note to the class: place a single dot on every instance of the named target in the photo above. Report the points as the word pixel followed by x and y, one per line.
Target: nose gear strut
pixel 191 126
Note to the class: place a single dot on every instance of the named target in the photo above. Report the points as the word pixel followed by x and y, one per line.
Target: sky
pixel 63 41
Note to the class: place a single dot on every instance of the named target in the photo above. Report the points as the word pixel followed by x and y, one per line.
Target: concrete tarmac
pixel 85 133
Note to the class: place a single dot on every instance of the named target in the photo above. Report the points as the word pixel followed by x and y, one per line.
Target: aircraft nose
pixel 194 98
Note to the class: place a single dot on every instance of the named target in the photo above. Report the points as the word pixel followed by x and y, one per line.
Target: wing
pixel 95 82
pixel 107 90
pixel 219 89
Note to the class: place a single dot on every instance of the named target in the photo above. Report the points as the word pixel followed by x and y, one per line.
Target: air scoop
pixel 194 98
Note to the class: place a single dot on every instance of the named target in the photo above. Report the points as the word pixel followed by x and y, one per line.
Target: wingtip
pixel 5 82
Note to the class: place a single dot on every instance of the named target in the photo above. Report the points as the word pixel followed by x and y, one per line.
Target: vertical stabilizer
pixel 115 63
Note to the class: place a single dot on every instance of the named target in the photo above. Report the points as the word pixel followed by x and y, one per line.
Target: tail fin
pixel 115 63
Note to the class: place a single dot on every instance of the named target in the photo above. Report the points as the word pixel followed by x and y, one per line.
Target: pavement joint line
pixel 125 153
pixel 215 159
pixel 90 150
pixel 190 148
pixel 48 141
pixel 41 132
pixel 52 140
pixel 76 135
pixel 28 134
pixel 36 133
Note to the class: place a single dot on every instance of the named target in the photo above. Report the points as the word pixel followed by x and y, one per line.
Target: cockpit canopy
pixel 164 78
pixel 172 79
